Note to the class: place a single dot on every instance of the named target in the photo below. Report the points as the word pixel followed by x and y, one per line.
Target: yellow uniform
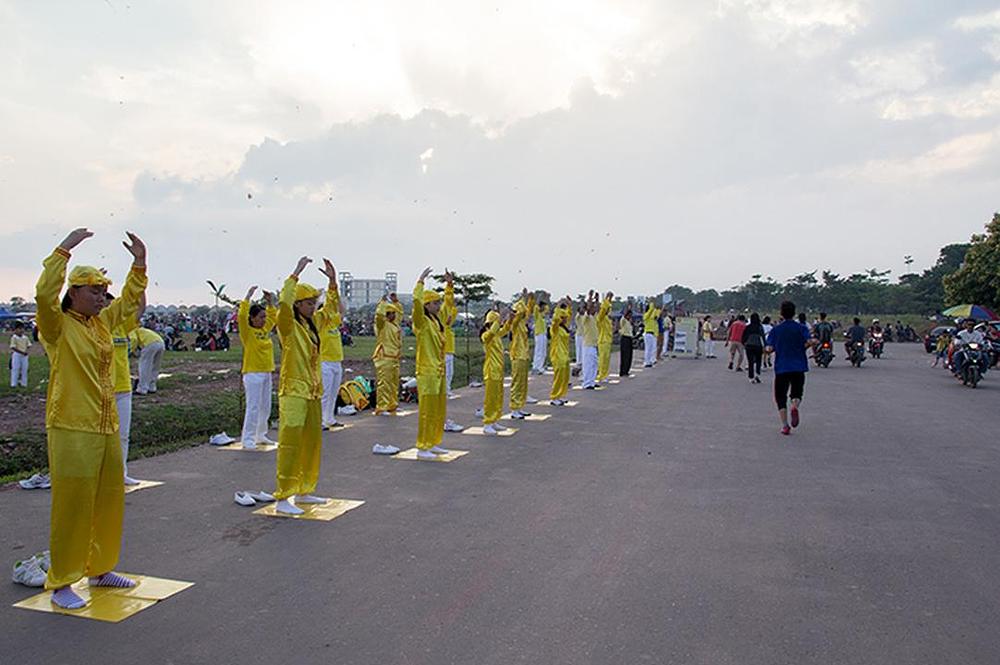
pixel 520 353
pixel 331 346
pixel 588 326
pixel 258 348
pixel 605 333
pixel 387 355
pixel 140 337
pixel 81 419
pixel 300 390
pixel 492 339
pixel 122 371
pixel 432 396
pixel 649 320
pixel 559 352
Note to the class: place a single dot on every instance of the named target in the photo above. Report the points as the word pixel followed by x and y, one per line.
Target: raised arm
pixel 418 318
pixel 133 293
pixel 48 316
pixel 286 315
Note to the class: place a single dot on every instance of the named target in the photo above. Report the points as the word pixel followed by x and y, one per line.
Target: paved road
pixel 663 520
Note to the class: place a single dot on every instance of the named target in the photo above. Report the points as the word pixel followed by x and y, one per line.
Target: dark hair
pixel 755 319
pixel 741 318
pixel 255 310
pixel 802 317
pixel 857 321
pixel 67 302
pixel 788 310
pixel 19 325
pixel 767 319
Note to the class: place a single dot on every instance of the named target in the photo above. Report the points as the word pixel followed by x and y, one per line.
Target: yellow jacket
pixel 140 337
pixel 588 328
pixel 388 335
pixel 540 312
pixel 331 348
pixel 649 317
pixel 519 349
pixel 300 374
pixel 492 339
pixel 448 313
pixel 258 348
pixel 122 372
pixel 81 392
pixel 430 337
pixel 605 331
pixel 559 337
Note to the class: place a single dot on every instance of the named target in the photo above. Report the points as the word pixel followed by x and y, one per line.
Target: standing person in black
pixel 625 333
pixel 753 340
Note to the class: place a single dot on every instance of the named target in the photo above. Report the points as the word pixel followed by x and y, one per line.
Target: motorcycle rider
pixel 964 337
pixel 855 334
pixel 823 332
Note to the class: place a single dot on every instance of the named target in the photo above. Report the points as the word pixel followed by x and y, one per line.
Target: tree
pixel 977 281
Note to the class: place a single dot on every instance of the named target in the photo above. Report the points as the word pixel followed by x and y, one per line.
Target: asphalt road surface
pixel 662 520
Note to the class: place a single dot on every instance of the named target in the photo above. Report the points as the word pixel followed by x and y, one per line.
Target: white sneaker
pixel 498 427
pixel 438 450
pixel 425 454
pixel 531 400
pixel 129 480
pixel 517 415
pixel 244 499
pixel 384 449
pixel 43 559
pixel 452 426
pixel 36 482
pixel 490 430
pixel 309 498
pixel 285 506
pixel 268 442
pixel 28 573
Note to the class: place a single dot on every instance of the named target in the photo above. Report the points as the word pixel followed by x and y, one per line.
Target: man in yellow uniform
pixel 331 355
pixel 387 354
pixel 541 338
pixel 81 421
pixel 588 325
pixel 520 355
pixel 650 329
pixel 605 334
pixel 559 352
pixel 432 394
pixel 492 338
pixel 150 346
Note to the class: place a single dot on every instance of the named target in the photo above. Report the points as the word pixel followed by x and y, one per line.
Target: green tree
pixel 977 281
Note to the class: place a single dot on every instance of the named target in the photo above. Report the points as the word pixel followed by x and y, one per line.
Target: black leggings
pixel 796 381
pixel 626 355
pixel 754 355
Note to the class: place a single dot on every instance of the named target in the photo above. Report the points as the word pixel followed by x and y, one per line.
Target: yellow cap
pixel 492 317
pixel 431 296
pixel 87 276
pixel 304 291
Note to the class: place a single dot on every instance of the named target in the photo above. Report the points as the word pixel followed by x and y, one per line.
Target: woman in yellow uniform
pixel 520 355
pixel 559 352
pixel 81 420
pixel 300 387
pixel 387 354
pixel 331 356
pixel 605 334
pixel 432 394
pixel 255 324
pixel 491 336
pixel 650 328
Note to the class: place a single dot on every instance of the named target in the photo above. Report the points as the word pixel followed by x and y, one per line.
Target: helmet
pixel 874 320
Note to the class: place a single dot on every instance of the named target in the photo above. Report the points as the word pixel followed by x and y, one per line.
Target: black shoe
pixel 730 366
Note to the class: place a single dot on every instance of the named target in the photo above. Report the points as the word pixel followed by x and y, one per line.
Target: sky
pixel 622 145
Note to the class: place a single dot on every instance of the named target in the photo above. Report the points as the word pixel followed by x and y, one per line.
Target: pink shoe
pixel 786 430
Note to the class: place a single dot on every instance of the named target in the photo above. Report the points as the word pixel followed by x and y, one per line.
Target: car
pixel 930 339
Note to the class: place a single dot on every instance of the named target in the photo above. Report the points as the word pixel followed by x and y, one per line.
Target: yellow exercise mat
pixel 398 413
pixel 143 485
pixel 324 512
pixel 450 456
pixel 478 431
pixel 108 603
pixel 537 417
pixel 581 387
pixel 261 447
pixel 548 402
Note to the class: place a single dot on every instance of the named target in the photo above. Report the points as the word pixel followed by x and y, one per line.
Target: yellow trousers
pixel 519 383
pixel 603 361
pixel 493 401
pixel 88 504
pixel 386 385
pixel 432 405
pixel 300 439
pixel 560 381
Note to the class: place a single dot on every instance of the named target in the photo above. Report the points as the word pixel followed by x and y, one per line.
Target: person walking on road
pixel 734 335
pixel 753 341
pixel 789 341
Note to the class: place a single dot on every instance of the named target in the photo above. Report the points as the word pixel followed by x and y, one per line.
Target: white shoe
pixel 425 454
pixel 517 415
pixel 249 446
pixel 268 442
pixel 36 482
pixel 260 495
pixel 309 498
pixel 129 480
pixel 452 395
pixel 558 402
pixel 479 412
pixel 452 426
pixel 244 499
pixel 530 400
pixel 438 450
pixel 285 506
pixel 498 427
pixel 490 430
pixel 28 573
pixel 384 449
